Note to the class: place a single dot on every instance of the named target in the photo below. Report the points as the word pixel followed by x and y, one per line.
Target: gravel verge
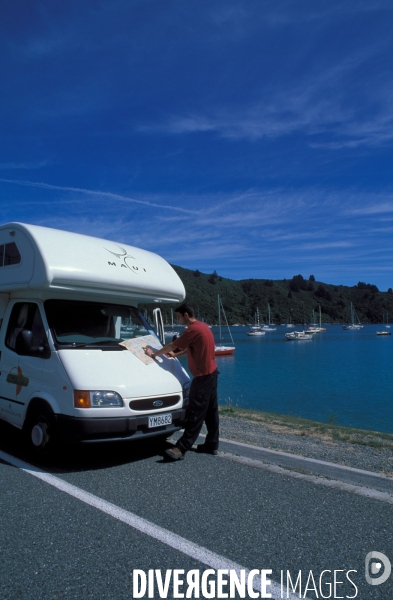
pixel 368 450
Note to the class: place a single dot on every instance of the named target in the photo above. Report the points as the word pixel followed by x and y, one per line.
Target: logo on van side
pixel 17 379
pixel 128 261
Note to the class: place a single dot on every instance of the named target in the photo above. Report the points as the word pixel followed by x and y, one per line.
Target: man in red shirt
pixel 197 342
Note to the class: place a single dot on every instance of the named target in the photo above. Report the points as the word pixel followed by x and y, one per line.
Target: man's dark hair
pixel 185 308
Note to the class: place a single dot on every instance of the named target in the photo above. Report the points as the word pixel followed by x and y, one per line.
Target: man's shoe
pixel 174 453
pixel 203 449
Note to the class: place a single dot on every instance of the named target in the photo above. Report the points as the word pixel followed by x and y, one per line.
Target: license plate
pixel 160 420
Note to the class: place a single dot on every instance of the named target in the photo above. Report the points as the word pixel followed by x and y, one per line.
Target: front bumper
pixel 115 428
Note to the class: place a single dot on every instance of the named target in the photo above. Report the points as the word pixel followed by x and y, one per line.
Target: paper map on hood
pixel 137 346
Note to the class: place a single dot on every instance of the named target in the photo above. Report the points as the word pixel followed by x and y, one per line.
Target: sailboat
pixel 290 324
pixel 172 332
pixel 353 326
pixel 268 327
pixel 298 335
pixel 256 329
pixel 220 349
pixel 257 324
pixel 314 327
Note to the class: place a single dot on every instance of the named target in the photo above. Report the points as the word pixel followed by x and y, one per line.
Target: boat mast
pixel 220 305
pixel 219 317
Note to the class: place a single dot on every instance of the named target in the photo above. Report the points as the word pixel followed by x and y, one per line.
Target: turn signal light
pixel 81 399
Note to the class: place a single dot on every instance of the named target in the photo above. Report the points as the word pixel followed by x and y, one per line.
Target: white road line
pixel 199 553
pixel 334 483
pixel 304 458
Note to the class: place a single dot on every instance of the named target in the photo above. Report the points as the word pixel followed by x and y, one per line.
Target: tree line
pixel 296 300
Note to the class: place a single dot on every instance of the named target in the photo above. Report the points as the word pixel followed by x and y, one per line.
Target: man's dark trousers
pixel 203 406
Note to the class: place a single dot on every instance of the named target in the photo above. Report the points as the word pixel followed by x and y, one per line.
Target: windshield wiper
pixel 97 344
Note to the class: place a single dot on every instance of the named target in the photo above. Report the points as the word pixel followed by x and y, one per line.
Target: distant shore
pixel 357 448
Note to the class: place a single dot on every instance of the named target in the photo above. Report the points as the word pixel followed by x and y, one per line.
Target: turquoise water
pixel 340 376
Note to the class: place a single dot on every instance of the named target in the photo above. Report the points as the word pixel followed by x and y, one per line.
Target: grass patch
pixel 288 424
pixel 227 411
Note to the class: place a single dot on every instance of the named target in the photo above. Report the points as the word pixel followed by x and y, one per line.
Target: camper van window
pixel 77 324
pixel 26 334
pixel 9 255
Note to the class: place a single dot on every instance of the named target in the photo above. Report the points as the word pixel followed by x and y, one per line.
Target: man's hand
pixel 167 350
pixel 149 352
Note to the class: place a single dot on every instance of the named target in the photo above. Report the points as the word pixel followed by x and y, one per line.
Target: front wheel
pixel 40 430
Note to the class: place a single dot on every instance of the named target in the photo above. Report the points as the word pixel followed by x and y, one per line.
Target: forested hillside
pixel 290 300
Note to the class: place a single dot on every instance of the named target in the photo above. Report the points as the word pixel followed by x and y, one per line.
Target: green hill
pixel 289 299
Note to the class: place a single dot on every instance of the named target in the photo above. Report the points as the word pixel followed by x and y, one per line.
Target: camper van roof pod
pixel 41 258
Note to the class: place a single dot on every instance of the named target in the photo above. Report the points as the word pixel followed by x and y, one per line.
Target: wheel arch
pixel 42 399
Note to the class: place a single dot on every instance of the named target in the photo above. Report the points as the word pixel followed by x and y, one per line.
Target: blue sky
pixel 252 137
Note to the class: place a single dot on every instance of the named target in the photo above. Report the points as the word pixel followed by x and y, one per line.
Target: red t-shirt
pixel 199 341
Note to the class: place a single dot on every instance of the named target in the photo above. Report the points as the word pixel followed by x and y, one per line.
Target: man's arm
pixel 179 353
pixel 164 350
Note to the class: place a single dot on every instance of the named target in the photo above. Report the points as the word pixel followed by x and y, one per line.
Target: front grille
pixel 151 403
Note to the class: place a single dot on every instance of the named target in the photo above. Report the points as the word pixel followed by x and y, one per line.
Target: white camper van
pixel 72 340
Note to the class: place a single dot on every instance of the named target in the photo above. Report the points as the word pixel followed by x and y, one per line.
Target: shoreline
pixel 357 448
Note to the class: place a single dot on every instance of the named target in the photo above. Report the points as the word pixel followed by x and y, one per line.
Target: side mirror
pixel 159 325
pixel 25 347
pixel 24 342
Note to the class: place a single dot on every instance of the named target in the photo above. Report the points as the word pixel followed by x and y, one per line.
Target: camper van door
pixel 25 349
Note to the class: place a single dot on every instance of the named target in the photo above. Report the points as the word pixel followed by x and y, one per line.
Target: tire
pixel 40 430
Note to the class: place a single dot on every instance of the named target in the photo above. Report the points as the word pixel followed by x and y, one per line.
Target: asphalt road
pixel 56 546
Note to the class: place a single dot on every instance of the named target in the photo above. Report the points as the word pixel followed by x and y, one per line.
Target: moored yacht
pixel 353 326
pixel 298 335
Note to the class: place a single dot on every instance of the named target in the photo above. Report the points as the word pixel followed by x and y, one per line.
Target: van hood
pixel 122 372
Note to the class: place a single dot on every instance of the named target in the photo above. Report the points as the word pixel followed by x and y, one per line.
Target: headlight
pixel 105 399
pixel 87 399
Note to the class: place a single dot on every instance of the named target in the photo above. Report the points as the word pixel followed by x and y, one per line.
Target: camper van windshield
pixel 77 324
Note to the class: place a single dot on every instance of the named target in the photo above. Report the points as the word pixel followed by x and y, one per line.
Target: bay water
pixel 342 377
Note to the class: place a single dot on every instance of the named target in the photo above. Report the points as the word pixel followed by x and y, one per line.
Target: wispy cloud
pixel 372 209
pixel 302 113
pixel 99 194
pixel 325 245
pixel 207 205
pixel 15 166
pixel 255 233
pixel 247 144
pixel 342 105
